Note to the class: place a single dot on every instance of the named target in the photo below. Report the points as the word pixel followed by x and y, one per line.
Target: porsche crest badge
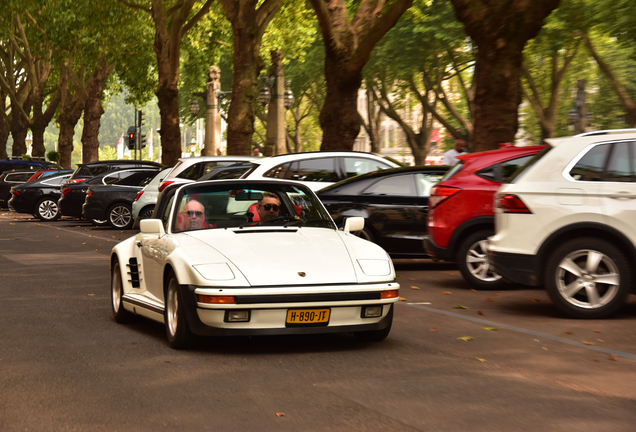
pixel 302 274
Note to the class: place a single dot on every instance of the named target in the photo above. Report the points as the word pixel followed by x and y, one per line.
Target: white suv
pixel 318 169
pixel 568 220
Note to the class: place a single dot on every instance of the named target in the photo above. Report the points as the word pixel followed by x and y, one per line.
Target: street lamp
pixel 194 108
pixel 289 96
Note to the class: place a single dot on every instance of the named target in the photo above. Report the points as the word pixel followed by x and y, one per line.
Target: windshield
pixel 247 204
pixel 517 174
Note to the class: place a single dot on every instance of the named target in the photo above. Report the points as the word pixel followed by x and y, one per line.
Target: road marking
pixel 525 331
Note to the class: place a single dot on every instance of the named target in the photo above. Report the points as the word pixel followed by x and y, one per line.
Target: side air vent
pixel 134 272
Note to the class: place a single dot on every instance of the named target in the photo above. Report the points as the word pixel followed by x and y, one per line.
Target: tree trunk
pixel 39 123
pixel 497 91
pixel 19 130
pixel 170 27
pixel 339 116
pixel 248 27
pixel 72 105
pixel 4 125
pixel 93 112
pixel 348 46
pixel 373 119
pixel 500 30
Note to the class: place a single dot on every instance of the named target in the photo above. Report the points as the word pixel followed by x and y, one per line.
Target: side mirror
pixel 151 226
pixel 353 224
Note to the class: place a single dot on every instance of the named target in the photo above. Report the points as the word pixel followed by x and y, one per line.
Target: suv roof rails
pixel 606 132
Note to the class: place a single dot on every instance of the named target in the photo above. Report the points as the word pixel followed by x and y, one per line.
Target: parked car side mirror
pixel 353 224
pixel 152 226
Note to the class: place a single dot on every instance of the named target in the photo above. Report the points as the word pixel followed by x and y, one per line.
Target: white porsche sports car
pixel 251 257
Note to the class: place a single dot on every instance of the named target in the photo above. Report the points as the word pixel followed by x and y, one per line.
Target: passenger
pixel 194 215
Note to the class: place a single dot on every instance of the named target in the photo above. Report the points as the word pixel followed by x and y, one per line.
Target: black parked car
pixel 393 202
pixel 23 165
pixel 74 195
pixel 39 197
pixel 8 179
pixel 113 202
pixel 92 169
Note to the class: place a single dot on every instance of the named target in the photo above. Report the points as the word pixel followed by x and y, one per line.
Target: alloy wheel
pixel 477 262
pixel 120 216
pixel 588 279
pixel 47 210
pixel 172 307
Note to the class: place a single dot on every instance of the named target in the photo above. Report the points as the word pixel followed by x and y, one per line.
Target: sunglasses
pixel 194 213
pixel 269 207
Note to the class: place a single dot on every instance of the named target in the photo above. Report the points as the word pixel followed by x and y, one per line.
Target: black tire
pixel 376 335
pixel 472 260
pixel 177 330
pixel 120 216
pixel 365 234
pixel 120 314
pixel 47 210
pixel 582 291
pixel 146 212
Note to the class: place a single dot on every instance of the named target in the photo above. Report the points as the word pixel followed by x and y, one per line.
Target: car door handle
pixel 622 195
pixel 138 244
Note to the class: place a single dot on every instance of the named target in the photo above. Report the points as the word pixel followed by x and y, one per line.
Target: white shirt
pixel 450 157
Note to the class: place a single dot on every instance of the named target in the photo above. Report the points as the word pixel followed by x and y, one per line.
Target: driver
pixel 268 207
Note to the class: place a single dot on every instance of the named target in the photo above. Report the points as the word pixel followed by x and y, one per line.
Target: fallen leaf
pixel 460 307
pixel 600 340
pixel 433 330
pixel 613 357
pixel 473 290
pixel 588 343
pixel 480 313
pixel 397 275
pixel 452 274
pixel 447 293
pixel 414 287
pixel 91 235
pixel 280 414
pixel 480 359
pixel 597 360
pixel 91 294
pixel 465 338
pixel 596 331
pixel 536 300
pixel 496 294
pixel 84 243
pixel 490 328
pixel 569 332
pixel 489 299
pixel 544 348
pixel 536 340
pixel 402 299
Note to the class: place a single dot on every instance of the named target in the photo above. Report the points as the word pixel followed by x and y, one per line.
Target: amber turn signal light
pixel 389 294
pixel 216 299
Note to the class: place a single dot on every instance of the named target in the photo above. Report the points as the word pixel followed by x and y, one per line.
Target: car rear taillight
pixel 139 194
pixel 66 191
pixel 15 192
pixel 75 181
pixel 441 193
pixel 164 184
pixel 89 193
pixel 510 203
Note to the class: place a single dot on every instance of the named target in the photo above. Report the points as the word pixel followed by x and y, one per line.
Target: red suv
pixel 461 215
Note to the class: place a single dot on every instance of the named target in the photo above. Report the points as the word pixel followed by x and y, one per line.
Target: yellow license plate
pixel 308 316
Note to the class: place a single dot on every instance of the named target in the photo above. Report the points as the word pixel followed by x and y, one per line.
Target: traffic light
pixel 142 140
pixel 131 137
pixel 141 118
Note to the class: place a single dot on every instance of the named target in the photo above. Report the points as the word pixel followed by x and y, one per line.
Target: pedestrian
pixel 256 152
pixel 450 157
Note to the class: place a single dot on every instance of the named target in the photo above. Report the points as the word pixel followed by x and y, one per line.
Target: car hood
pixel 287 256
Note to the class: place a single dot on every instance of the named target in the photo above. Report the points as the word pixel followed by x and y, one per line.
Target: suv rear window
pixel 532 161
pixel 87 171
pixel 454 170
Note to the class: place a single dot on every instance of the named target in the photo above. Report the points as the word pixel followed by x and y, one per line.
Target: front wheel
pixel 364 234
pixel 47 210
pixel 472 260
pixel 588 278
pixel 120 216
pixel 177 330
pixel 120 314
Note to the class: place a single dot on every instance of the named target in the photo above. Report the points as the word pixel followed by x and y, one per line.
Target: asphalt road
pixel 65 365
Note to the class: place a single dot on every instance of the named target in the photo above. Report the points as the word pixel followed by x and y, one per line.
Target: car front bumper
pixel 268 316
pixel 519 268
